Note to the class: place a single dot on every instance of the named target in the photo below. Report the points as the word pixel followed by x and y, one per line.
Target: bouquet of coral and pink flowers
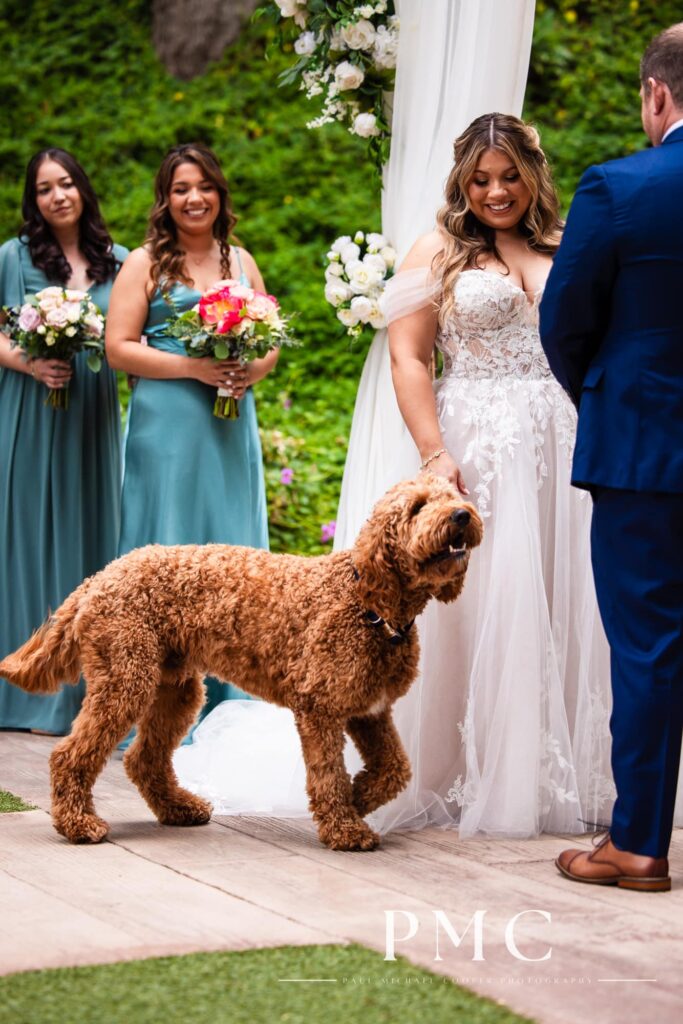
pixel 230 321
pixel 56 323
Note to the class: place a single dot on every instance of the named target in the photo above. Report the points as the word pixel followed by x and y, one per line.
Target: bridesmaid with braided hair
pixel 189 477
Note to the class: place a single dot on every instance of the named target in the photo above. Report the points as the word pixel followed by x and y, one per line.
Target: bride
pixel 507 726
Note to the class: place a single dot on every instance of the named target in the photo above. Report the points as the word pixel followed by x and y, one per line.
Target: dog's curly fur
pixel 291 630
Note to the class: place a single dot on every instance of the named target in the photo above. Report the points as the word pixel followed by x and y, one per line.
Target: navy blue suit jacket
pixel 612 320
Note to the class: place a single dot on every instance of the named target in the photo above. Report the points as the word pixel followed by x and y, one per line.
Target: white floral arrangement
pixel 347 56
pixel 357 271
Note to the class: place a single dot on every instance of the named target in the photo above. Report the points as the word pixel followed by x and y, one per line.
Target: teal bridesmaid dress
pixel 190 477
pixel 60 475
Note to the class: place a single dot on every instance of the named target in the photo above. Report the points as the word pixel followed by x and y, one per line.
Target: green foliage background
pixel 85 77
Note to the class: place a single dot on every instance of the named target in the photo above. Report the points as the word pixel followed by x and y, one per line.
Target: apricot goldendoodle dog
pixel 329 637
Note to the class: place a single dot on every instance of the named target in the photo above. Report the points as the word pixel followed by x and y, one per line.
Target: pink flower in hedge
pixel 286 476
pixel 327 531
pixel 29 318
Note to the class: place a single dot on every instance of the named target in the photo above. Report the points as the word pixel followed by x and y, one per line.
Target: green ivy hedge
pixel 86 77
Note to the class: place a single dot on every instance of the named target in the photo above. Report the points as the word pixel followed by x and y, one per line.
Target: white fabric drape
pixel 457 59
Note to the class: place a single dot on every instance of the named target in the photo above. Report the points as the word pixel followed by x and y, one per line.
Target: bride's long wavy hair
pixel 168 259
pixel 466 238
pixel 94 240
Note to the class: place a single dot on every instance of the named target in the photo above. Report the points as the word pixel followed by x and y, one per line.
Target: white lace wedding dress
pixel 507 725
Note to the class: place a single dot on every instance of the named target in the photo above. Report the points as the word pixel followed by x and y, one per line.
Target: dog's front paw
pixel 190 811
pixel 82 828
pixel 349 834
pixel 371 790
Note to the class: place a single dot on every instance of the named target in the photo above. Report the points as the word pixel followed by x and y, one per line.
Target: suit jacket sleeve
pixel 576 304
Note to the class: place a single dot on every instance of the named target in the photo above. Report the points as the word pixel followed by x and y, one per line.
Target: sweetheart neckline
pixel 531 302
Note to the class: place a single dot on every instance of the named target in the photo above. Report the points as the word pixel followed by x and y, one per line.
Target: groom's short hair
pixel 663 61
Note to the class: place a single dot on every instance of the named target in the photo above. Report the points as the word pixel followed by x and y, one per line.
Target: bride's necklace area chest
pixel 526 275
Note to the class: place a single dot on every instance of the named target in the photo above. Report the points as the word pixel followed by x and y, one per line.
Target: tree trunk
pixel 189 34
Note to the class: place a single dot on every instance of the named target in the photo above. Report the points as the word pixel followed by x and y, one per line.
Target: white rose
pixel 50 298
pixel 337 292
pixel 362 278
pixel 388 254
pixel 288 8
pixel 380 6
pixel 348 75
pixel 365 125
pixel 347 317
pixel 95 324
pixel 360 35
pixel 40 329
pixel 376 262
pixel 74 295
pixel 375 240
pixel 366 11
pixel 385 48
pixel 70 331
pixel 340 243
pixel 334 271
pixel 73 311
pixel 362 306
pixel 377 319
pixel 305 44
pixel 350 252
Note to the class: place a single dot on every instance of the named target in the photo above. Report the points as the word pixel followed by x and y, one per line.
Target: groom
pixel 612 328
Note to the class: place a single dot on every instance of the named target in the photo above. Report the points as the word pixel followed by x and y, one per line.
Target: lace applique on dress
pixel 491 349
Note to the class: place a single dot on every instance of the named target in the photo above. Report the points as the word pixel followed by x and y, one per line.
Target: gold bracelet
pixel 434 455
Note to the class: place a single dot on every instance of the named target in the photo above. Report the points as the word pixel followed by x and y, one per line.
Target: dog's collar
pixel 394 634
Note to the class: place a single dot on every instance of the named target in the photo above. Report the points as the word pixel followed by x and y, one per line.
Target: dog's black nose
pixel 460 517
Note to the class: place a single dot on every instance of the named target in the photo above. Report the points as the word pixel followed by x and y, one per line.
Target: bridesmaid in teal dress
pixel 189 477
pixel 59 470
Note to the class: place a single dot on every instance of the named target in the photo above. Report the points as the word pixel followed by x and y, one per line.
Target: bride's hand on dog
pixel 444 466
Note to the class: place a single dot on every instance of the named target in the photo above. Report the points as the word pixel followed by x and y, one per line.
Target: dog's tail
pixel 51 656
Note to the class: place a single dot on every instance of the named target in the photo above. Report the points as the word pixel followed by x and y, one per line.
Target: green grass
pixel 244 988
pixel 10 803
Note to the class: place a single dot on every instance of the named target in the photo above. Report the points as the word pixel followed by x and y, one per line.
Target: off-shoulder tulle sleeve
pixel 408 291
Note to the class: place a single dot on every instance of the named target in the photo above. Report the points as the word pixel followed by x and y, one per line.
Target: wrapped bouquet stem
pixel 226 406
pixel 230 321
pixel 57 323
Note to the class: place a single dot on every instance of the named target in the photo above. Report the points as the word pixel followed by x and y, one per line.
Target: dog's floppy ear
pixel 374 557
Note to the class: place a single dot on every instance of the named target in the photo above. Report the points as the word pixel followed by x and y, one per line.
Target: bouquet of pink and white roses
pixel 57 323
pixel 230 321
